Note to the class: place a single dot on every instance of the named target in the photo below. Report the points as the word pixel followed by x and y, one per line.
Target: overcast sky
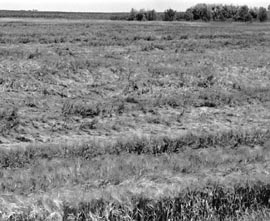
pixel 115 5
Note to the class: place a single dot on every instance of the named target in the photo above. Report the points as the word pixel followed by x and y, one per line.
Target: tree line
pixel 202 12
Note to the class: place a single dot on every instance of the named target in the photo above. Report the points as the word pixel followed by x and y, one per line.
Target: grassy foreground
pixel 109 120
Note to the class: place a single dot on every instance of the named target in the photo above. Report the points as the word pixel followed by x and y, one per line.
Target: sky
pixel 115 5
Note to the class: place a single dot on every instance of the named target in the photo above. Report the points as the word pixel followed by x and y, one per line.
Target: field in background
pixel 111 120
pixel 63 15
pixel 76 15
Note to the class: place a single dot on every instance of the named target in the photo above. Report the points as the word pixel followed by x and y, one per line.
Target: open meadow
pixel 117 120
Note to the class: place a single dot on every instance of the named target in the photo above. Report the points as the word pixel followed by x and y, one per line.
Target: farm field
pixel 117 120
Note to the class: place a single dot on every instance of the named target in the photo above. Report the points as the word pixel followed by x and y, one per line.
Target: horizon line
pixel 110 12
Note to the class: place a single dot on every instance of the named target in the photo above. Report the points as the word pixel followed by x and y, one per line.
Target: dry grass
pixel 134 121
pixel 131 186
pixel 20 157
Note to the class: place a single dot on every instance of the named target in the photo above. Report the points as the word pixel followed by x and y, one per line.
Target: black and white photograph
pixel 132 110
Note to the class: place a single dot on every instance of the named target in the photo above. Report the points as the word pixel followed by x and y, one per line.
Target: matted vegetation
pixel 114 120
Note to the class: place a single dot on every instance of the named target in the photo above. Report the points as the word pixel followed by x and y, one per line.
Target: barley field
pixel 117 120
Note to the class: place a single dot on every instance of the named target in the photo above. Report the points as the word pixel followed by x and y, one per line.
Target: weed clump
pixel 8 119
pixel 81 108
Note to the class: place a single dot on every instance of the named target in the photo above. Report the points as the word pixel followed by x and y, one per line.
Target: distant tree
pixel 189 15
pixel 268 7
pixel 195 12
pixel 206 14
pixel 132 15
pixel 141 15
pixel 243 14
pixel 201 12
pixel 180 16
pixel 254 12
pixel 218 12
pixel 262 14
pixel 151 15
pixel 248 18
pixel 169 15
pixel 230 11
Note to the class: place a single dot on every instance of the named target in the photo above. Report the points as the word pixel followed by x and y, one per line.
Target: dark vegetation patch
pixel 212 202
pixel 9 119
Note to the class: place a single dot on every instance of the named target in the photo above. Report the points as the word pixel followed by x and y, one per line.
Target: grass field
pixel 61 15
pixel 111 120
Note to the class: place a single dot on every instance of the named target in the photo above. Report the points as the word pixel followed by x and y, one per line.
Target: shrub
pixel 262 14
pixel 169 15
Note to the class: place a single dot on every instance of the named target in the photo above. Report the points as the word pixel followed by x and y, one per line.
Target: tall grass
pixel 246 201
pixel 18 157
pixel 213 202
